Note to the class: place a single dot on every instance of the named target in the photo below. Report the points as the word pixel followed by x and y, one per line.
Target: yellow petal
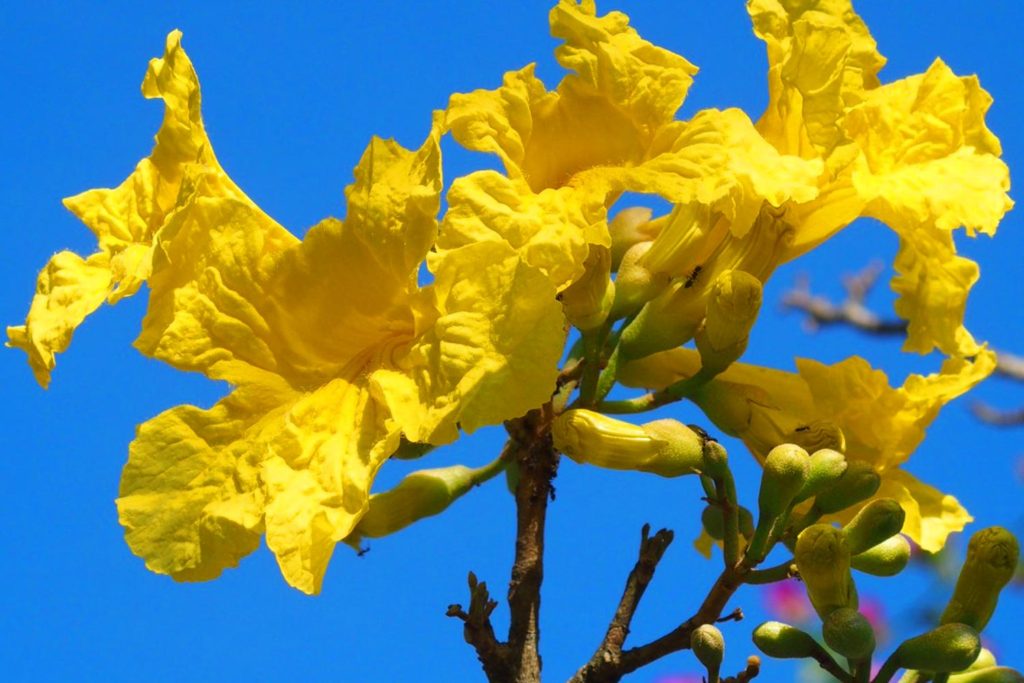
pixel 548 229
pixel 318 476
pixel 491 354
pixel 821 60
pixel 68 289
pixel 931 514
pixel 190 501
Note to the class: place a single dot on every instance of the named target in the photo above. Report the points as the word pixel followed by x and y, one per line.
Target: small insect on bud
pixel 664 447
pixel 992 556
pixel 708 645
pixel 588 301
pixel 823 560
pixel 420 494
pixel 858 483
pixel 951 647
pixel 824 469
pixel 877 521
pixel 783 641
pixel 849 633
pixel 733 304
pixel 888 558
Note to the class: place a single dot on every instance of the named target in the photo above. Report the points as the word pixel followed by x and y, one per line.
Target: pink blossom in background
pixel 787 601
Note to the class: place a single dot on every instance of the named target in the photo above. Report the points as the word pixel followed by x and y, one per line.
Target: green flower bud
pixel 823 560
pixel 421 494
pixel 713 521
pixel 734 301
pixel 824 469
pixel 783 641
pixel 635 284
pixel 631 226
pixel 877 521
pixel 716 460
pixel 818 435
pixel 667 321
pixel 888 558
pixel 664 447
pixel 992 674
pixel 746 522
pixel 708 645
pixel 785 472
pixel 859 482
pixel 588 301
pixel 952 647
pixel 849 633
pixel 991 562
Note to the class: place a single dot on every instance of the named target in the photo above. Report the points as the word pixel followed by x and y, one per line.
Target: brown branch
pixel 479 633
pixel 751 671
pixel 606 660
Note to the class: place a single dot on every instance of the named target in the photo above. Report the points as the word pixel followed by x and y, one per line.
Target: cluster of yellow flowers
pixel 337 355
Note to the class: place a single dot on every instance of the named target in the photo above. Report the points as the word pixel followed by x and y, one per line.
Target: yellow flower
pixel 882 426
pixel 607 128
pixel 332 348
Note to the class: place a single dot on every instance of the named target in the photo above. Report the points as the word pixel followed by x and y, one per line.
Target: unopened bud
pixel 877 521
pixel 420 494
pixel 823 561
pixel 849 633
pixel 664 447
pixel 858 483
pixel 666 321
pixel 888 558
pixel 824 469
pixel 588 301
pixel 631 226
pixel 992 674
pixel 734 301
pixel 951 647
pixel 708 645
pixel 991 562
pixel 819 435
pixel 783 641
pixel 635 284
pixel 713 521
pixel 785 472
pixel 716 459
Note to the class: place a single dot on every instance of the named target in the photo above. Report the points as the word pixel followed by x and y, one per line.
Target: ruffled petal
pixel 821 60
pixel 931 515
pixel 492 353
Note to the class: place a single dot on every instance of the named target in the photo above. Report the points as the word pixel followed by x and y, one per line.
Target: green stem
pixel 726 489
pixel 779 572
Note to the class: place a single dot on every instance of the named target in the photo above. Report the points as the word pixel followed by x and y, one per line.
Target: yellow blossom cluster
pixel 336 354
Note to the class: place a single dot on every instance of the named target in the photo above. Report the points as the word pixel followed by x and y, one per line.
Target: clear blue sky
pixel 292 94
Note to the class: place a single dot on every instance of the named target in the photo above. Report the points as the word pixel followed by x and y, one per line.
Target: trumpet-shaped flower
pixel 882 425
pixel 607 128
pixel 332 348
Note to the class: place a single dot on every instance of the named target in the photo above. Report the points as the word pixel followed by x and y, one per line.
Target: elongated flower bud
pixel 631 226
pixel 665 447
pixel 859 482
pixel 420 494
pixel 849 633
pixel 951 647
pixel 991 562
pixel 877 521
pixel 824 469
pixel 588 301
pixel 635 284
pixel 785 472
pixel 733 304
pixel 667 321
pixel 783 641
pixel 888 558
pixel 708 645
pixel 823 561
pixel 993 674
pixel 716 459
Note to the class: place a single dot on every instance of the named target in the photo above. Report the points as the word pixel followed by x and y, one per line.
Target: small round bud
pixel 992 556
pixel 951 647
pixel 785 472
pixel 823 560
pixel 877 521
pixel 849 633
pixel 708 645
pixel 825 468
pixel 888 558
pixel 859 482
pixel 783 641
pixel 733 303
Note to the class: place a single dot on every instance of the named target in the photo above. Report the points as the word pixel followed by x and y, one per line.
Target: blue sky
pixel 291 96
